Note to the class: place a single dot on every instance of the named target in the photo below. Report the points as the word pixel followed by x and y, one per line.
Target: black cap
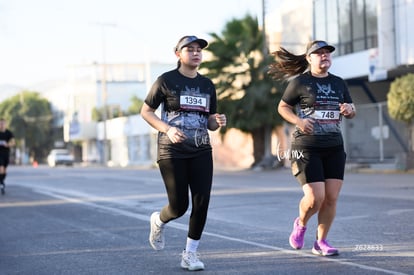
pixel 319 45
pixel 186 40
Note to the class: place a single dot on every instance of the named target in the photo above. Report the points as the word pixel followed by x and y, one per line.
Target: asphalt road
pixel 77 220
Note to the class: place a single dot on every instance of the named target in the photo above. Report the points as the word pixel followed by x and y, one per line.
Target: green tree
pixel 30 119
pixel 401 107
pixel 116 111
pixel 136 105
pixel 246 94
pixel 98 114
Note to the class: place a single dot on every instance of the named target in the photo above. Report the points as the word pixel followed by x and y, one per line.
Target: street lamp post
pixel 104 92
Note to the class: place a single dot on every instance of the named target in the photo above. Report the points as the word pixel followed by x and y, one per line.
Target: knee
pixel 330 200
pixel 315 202
pixel 178 210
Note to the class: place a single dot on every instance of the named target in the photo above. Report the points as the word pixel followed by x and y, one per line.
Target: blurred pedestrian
pixel 6 141
pixel 189 105
pixel 315 102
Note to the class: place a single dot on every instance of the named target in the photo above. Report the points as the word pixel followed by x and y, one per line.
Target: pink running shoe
pixel 296 239
pixel 323 248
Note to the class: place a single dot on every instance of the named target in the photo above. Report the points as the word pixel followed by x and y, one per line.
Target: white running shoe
pixel 191 262
pixel 156 237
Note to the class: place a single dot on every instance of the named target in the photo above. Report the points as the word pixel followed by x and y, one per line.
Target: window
pixel 351 25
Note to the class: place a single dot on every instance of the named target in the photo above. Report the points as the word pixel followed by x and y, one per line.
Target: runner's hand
pixel 176 135
pixel 306 125
pixel 221 120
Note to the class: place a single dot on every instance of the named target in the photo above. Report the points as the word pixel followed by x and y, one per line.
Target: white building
pixel 127 138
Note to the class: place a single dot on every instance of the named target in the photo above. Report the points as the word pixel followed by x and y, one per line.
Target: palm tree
pixel 246 94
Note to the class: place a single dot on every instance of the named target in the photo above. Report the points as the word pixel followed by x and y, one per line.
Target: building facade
pixel 373 47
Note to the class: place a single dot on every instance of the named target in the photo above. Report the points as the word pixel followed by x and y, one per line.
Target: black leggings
pixel 178 175
pixel 4 162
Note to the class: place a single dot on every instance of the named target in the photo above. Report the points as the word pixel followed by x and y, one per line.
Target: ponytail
pixel 287 65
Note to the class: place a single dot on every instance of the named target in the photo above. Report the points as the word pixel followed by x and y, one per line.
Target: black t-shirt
pixel 5 137
pixel 186 104
pixel 318 98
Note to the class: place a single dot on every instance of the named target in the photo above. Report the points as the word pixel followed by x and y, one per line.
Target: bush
pixel 401 99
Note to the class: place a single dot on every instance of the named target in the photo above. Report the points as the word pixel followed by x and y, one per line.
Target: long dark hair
pixel 287 64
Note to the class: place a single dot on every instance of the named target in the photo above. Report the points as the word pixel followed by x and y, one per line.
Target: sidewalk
pixel 383 168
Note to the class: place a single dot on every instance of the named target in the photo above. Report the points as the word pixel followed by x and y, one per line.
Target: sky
pixel 40 39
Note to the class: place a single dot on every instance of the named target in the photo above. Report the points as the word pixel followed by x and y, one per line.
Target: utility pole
pixel 105 150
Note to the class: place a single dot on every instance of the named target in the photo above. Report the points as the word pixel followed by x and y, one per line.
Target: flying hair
pixel 287 64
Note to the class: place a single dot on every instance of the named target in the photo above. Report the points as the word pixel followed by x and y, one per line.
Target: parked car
pixel 60 157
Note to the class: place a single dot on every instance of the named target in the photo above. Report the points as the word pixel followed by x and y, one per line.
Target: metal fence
pixel 373 136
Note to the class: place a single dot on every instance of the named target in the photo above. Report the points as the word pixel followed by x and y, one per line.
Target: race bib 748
pixel 326 114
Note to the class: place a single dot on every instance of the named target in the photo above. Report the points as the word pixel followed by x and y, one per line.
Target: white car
pixel 60 156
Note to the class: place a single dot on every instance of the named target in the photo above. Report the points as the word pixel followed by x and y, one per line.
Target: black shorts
pixel 318 164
